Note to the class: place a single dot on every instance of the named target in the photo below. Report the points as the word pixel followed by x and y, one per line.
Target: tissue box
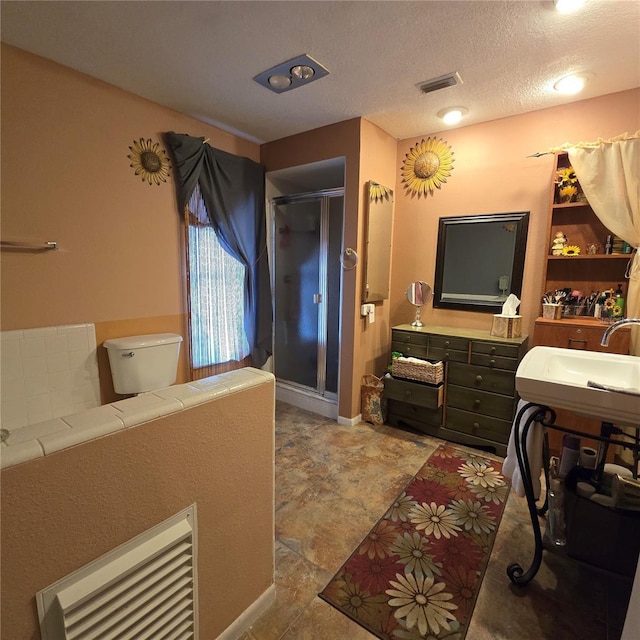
pixel 506 326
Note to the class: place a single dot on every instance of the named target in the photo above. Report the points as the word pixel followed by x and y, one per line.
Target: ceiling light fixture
pixel 302 72
pixel 572 84
pixel 568 6
pixel 291 74
pixel 453 115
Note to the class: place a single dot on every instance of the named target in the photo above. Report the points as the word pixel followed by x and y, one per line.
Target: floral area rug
pixel 418 572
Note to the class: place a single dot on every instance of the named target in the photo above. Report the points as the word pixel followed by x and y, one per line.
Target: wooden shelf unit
pixel 585 273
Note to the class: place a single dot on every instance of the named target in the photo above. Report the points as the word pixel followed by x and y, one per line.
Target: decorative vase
pixel 568 193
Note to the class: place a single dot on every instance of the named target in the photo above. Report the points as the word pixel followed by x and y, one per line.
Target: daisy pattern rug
pixel 417 574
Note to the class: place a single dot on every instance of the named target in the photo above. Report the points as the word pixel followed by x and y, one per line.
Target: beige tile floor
pixel 334 482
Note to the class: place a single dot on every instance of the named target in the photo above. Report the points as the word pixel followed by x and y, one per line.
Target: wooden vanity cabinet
pixel 476 402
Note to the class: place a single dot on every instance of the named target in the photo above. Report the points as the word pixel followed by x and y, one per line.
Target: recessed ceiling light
pixel 569 85
pixel 568 6
pixel 453 115
pixel 302 72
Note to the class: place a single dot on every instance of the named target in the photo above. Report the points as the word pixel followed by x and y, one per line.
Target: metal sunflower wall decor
pixel 149 161
pixel 427 166
pixel 378 192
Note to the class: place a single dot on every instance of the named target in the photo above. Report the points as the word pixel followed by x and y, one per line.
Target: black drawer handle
pixel 479 379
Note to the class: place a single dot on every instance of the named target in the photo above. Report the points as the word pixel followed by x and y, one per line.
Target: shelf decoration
pixel 149 160
pixel 571 250
pixel 427 166
pixel 559 243
pixel 568 185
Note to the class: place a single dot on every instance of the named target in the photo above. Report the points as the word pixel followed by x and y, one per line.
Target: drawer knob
pixel 408 349
pixel 476 403
pixel 447 343
pixel 492 351
pixel 446 355
pixel 492 363
pixel 478 379
pixel 476 426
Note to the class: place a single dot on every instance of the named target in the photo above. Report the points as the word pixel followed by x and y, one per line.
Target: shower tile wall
pixel 47 373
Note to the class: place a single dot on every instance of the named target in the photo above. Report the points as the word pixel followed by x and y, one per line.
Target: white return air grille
pixel 143 589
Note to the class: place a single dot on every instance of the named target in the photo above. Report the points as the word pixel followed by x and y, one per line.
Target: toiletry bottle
pixel 619 301
pixel 570 454
pixel 557 523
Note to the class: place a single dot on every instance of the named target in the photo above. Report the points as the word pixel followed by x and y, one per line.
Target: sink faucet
pixel 612 328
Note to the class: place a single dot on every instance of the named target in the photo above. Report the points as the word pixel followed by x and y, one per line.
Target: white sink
pixel 558 378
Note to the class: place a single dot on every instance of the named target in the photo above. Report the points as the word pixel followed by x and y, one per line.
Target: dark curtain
pixel 233 191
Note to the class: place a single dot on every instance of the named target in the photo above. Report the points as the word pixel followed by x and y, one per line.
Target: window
pixel 216 293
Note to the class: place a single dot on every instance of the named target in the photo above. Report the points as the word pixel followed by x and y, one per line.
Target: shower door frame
pixel 323 196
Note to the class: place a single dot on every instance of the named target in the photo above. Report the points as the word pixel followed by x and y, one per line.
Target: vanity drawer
pixel 405 337
pixel 480 402
pixel 410 344
pixel 448 343
pixel 477 425
pixel 476 377
pixel 495 349
pixel 447 355
pixel 494 361
pixel 410 349
pixel 413 414
pixel 417 394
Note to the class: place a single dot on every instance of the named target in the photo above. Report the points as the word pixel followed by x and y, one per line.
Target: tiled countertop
pixel 44 438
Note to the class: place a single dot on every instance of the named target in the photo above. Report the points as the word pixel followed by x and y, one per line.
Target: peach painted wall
pixel 377 163
pixel 369 154
pixel 492 174
pixel 66 509
pixel 66 177
pixel 333 141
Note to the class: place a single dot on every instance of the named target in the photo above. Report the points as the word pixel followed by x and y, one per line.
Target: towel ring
pixel 349 259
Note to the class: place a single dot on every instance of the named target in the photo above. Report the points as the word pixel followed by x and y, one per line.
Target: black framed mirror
pixel 480 260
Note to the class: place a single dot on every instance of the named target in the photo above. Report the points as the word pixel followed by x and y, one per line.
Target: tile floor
pixel 334 482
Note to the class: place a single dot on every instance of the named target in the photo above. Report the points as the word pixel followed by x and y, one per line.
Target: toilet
pixel 143 363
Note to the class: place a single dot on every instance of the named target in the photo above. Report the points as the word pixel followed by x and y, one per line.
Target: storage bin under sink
pixel 604 537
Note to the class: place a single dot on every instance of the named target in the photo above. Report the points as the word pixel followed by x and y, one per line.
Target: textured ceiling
pixel 199 58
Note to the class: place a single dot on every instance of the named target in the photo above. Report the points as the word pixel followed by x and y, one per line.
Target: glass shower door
pixel 307 241
pixel 297 291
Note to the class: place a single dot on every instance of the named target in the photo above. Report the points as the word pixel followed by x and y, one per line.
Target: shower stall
pixel 306 244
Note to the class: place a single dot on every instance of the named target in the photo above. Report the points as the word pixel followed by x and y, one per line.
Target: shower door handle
pixel 317 298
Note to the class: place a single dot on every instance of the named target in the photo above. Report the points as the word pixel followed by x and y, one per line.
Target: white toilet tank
pixel 143 363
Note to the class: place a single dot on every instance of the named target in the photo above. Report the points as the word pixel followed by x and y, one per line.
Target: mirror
pixel 418 294
pixel 377 256
pixel 480 260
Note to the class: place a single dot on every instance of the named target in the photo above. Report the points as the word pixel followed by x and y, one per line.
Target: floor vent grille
pixel 144 589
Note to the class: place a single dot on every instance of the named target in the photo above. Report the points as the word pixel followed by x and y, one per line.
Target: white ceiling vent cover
pixel 441 82
pixel 143 589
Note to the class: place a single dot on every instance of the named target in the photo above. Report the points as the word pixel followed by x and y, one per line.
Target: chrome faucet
pixel 612 328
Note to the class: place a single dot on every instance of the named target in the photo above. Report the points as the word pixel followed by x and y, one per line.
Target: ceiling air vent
pixel 441 82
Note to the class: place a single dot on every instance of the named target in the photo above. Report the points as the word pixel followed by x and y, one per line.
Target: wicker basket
pixel 416 369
